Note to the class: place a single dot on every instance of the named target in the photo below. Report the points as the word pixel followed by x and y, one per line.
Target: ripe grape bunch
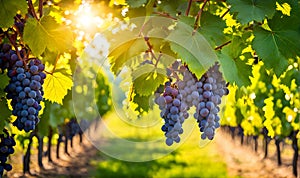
pixel 188 88
pixel 172 112
pixel 6 148
pixel 205 94
pixel 7 57
pixel 211 88
pixel 25 89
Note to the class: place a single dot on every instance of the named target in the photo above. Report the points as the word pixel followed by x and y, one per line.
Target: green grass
pixel 189 160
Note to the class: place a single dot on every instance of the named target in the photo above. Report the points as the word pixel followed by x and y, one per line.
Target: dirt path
pixel 77 164
pixel 244 162
pixel 241 161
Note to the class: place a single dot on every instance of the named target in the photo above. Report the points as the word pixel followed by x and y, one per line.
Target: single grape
pixel 168 99
pixel 204 112
pixel 34 69
pixel 169 141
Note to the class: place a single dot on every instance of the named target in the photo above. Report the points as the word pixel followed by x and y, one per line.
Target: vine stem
pixel 188 8
pixel 15 46
pixel 222 45
pixel 41 8
pixel 165 15
pixel 31 8
pixel 51 73
pixel 150 47
pixel 54 67
pixel 226 12
pixel 157 59
pixel 198 17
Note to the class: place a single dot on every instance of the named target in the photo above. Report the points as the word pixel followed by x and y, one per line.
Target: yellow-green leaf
pixel 47 34
pixel 56 86
pixel 147 78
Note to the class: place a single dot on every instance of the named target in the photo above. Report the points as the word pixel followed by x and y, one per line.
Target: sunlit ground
pixel 188 161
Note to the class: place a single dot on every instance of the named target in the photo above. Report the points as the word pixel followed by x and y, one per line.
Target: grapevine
pixel 186 43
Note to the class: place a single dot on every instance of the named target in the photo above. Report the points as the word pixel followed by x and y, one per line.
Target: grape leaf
pixel 276 46
pixel 4 80
pixel 49 56
pixel 9 9
pixel 47 34
pixel 173 7
pixel 289 76
pixel 135 3
pixel 44 119
pixel 102 94
pixel 147 78
pixel 193 48
pixel 56 86
pixel 125 52
pixel 249 10
pixel 212 28
pixel 235 48
pixel 53 115
pixel 143 103
pixel 235 71
pixel 5 113
pixel 4 110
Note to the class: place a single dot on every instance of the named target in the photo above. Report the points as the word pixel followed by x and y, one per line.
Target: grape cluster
pixel 172 112
pixel 211 88
pixel 6 148
pixel 188 88
pixel 205 94
pixel 7 56
pixel 25 90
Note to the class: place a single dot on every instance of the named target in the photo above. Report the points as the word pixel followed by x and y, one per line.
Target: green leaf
pixel 47 34
pixel 4 80
pixel 173 7
pixel 235 48
pixel 286 33
pixel 4 110
pixel 193 48
pixel 235 71
pixel 212 28
pixel 56 86
pixel 249 10
pixel 135 3
pixel 53 115
pixel 125 52
pixel 168 56
pixel 43 126
pixel 146 79
pixel 289 76
pixel 9 9
pixel 272 46
pixel 281 42
pixel 49 56
pixel 102 94
pixel 143 103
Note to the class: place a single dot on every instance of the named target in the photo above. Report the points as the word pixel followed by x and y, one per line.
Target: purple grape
pixel 176 102
pixel 168 99
pixel 204 112
pixel 169 141
pixel 34 69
